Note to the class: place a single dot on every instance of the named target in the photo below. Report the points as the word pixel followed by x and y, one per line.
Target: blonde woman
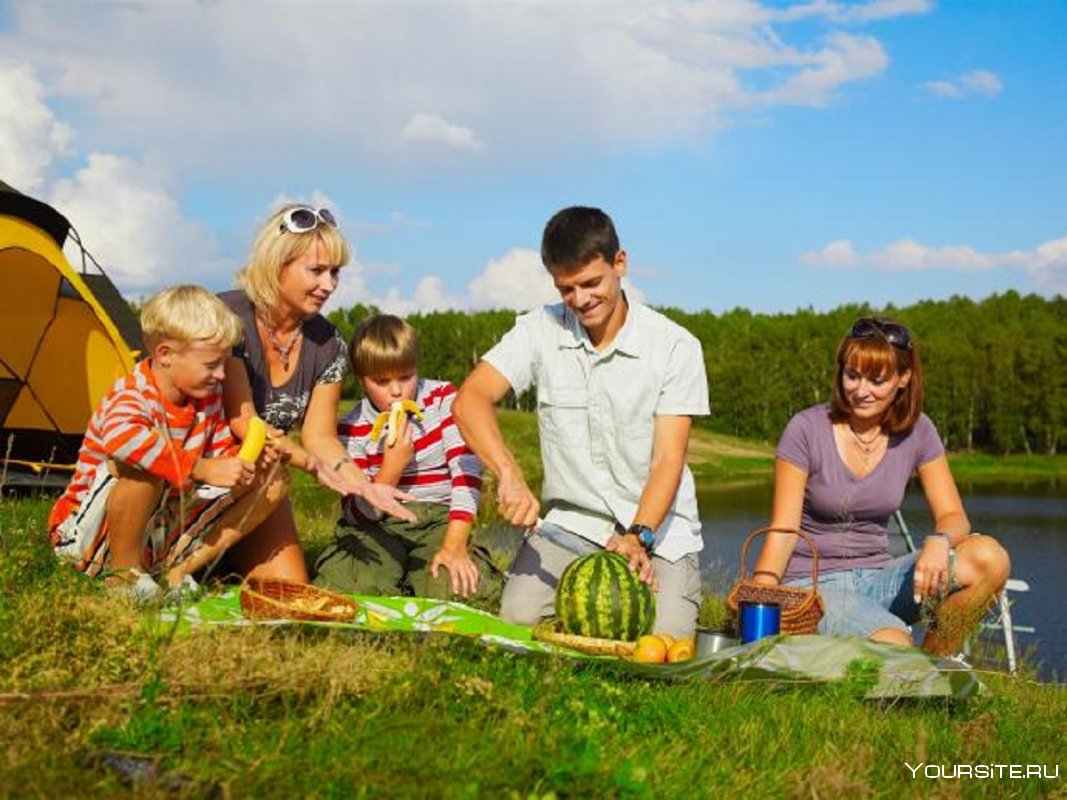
pixel 289 368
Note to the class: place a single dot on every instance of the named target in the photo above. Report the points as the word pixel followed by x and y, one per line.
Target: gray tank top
pixel 322 359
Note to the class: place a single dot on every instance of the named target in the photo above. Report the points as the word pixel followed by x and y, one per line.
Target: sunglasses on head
pixel 302 219
pixel 868 328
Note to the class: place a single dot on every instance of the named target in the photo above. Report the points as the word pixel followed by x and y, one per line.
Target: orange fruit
pixel 682 650
pixel 667 639
pixel 650 649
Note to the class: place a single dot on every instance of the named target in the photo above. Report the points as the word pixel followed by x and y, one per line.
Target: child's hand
pixel 397 455
pixel 463 571
pixel 226 472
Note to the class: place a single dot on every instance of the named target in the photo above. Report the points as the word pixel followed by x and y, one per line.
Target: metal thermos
pixel 758 620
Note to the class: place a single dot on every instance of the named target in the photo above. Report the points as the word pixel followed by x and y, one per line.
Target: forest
pixel 995 369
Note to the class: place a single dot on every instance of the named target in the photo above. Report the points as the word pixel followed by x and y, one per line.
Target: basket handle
pixel 797 532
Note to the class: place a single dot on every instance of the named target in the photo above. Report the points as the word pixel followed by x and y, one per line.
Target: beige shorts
pixel 175 528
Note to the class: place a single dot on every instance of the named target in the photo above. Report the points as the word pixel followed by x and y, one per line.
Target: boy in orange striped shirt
pixel 158 490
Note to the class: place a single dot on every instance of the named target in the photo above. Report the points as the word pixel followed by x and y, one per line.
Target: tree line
pixel 996 369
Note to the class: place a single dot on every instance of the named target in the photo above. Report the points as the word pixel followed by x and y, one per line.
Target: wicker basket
pixel 278 599
pixel 801 609
pixel 549 631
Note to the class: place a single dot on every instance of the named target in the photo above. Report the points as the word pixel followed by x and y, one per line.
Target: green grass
pixel 261 713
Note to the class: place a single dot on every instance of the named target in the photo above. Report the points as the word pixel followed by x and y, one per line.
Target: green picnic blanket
pixel 883 671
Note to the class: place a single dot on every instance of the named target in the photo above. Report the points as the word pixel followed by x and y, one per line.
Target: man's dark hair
pixel 577 235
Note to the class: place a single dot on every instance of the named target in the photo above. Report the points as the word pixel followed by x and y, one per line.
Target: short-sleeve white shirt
pixel 596 414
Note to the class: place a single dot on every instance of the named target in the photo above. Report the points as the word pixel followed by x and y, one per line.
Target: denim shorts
pixel 860 601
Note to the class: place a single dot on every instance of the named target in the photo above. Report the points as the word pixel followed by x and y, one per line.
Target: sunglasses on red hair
pixel 868 328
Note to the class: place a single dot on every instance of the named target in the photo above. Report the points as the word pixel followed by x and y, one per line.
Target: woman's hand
pixel 463 571
pixel 385 498
pixel 931 569
pixel 273 451
pixel 329 477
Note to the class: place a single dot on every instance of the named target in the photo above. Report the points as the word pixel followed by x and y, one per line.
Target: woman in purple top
pixel 841 471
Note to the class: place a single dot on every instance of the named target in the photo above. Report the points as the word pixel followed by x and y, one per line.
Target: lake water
pixel 1031 522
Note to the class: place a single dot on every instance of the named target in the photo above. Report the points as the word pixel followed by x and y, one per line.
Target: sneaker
pixel 141 592
pixel 186 591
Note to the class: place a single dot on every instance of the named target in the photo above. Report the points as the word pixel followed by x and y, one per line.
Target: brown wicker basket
pixel 549 631
pixel 801 609
pixel 277 599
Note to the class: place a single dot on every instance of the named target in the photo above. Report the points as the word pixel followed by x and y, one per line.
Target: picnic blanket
pixel 880 671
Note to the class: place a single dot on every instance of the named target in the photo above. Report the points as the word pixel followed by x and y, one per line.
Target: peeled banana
pixel 390 420
pixel 255 438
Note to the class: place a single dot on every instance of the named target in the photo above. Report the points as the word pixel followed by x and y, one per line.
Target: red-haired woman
pixel 841 471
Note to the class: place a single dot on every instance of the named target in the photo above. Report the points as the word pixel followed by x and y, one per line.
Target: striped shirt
pixel 136 425
pixel 443 470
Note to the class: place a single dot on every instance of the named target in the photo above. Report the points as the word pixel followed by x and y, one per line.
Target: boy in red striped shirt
pixel 158 490
pixel 426 457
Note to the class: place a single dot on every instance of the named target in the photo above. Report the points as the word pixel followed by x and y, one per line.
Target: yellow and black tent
pixel 65 336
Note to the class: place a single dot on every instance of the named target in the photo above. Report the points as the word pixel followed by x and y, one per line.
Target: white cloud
pixel 983 82
pixel 857 12
pixel 187 79
pixel 133 227
pixel 516 280
pixel 122 207
pixel 846 58
pixel 1046 263
pixel 31 138
pixel 978 81
pixel 432 129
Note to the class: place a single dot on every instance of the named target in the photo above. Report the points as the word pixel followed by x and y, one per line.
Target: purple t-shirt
pixel 847 516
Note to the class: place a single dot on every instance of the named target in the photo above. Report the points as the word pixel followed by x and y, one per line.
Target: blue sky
pixel 768 155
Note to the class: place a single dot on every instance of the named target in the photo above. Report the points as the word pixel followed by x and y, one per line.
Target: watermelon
pixel 599 597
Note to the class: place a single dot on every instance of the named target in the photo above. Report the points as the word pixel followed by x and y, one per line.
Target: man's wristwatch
pixel 646 537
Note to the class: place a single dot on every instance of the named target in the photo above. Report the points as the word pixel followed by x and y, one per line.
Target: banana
pixel 395 413
pixel 255 438
pixel 391 420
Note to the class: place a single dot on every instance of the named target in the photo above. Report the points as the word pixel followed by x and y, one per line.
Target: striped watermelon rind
pixel 599 597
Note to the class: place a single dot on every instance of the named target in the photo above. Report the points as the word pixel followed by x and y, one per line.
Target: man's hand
pixel 516 502
pixel 640 562
pixel 463 571
pixel 931 569
pixel 228 473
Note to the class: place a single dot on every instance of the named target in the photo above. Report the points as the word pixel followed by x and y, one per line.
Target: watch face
pixel 647 538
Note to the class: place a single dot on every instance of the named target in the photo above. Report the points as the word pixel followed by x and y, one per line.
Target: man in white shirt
pixel 617 387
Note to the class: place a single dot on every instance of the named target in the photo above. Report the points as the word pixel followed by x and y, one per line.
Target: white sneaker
pixel 186 591
pixel 142 592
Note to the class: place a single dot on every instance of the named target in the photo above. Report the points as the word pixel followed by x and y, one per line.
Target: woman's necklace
pixel 867 447
pixel 284 349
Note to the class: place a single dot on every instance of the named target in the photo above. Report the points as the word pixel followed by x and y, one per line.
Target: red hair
pixel 875 357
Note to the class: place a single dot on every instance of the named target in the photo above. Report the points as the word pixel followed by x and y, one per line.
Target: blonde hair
pixel 383 344
pixel 275 247
pixel 189 314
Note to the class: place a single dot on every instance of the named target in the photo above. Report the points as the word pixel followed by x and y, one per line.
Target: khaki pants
pixel 530 591
pixel 391 557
